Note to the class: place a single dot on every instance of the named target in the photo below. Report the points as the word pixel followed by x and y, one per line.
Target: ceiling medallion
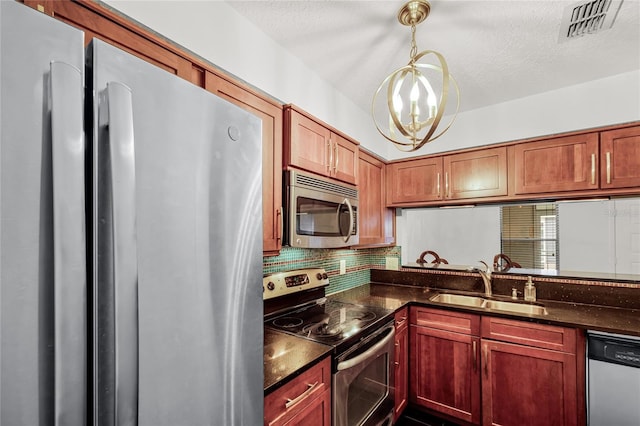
pixel 417 93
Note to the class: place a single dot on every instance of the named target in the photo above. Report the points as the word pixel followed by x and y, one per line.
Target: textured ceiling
pixel 496 50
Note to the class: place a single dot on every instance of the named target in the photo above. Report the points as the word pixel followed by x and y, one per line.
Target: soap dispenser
pixel 529 291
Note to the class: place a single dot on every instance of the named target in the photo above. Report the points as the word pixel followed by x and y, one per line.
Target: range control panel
pixel 282 283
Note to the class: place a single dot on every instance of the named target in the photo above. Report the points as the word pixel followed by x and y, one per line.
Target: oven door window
pixel 368 390
pixel 322 218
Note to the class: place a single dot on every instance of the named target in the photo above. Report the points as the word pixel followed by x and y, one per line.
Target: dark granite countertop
pixel 584 316
pixel 286 356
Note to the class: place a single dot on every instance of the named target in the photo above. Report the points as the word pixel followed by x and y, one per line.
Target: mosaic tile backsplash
pixel 359 263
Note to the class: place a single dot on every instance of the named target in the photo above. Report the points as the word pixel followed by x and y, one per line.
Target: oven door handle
pixel 344 365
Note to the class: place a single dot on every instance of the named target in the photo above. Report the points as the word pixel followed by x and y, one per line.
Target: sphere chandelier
pixel 417 93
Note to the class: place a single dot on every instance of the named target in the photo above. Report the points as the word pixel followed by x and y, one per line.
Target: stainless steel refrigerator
pixel 130 239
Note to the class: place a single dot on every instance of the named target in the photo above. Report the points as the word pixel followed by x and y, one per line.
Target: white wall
pixel 216 32
pixel 602 102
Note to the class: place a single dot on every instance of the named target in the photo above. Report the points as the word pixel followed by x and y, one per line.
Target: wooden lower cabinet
pixel 401 364
pixel 510 373
pixel 306 400
pixel 444 364
pixel 524 386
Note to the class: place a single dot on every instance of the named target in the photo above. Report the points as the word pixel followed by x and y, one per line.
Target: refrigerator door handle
pixel 125 262
pixel 69 243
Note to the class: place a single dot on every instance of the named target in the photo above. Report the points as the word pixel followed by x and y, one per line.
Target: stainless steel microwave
pixel 320 212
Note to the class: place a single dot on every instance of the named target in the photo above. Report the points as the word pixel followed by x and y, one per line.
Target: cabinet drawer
pixel 530 334
pixel 293 397
pixel 457 322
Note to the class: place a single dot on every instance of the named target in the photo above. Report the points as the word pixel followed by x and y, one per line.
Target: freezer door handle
pixel 69 244
pixel 125 264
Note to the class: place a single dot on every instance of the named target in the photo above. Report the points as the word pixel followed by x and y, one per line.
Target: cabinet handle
pixel 335 163
pixel 280 223
pixel 608 167
pixel 475 356
pixel 593 169
pixel 485 355
pixel 401 321
pixel 291 402
pixel 438 185
pixel 446 185
pixel 329 153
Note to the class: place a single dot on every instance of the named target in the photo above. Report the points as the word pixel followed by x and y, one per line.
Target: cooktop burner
pixel 328 321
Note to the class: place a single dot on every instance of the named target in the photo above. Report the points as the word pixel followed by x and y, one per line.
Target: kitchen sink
pixel 459 299
pixel 494 305
pixel 523 308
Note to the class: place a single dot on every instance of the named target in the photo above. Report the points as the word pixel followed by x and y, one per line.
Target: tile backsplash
pixel 359 263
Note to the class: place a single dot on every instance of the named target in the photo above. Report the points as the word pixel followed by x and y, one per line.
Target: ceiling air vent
pixel 588 17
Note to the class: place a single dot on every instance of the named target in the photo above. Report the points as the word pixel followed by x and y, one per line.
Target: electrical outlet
pixel 343 267
pixel 391 263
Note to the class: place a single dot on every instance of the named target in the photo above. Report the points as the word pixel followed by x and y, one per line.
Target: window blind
pixel 529 235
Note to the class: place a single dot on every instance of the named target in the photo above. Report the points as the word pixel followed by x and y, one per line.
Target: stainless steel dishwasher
pixel 613 379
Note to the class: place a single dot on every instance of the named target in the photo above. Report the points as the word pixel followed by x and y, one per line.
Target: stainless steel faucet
pixel 486 278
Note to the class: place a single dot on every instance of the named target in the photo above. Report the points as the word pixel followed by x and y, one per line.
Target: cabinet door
pixel 308 145
pixel 375 220
pixel 414 181
pixel 445 372
pixel 620 158
pixel 344 164
pixel 528 386
pixel 555 165
pixel 271 116
pixel 99 22
pixel 476 174
pixel 401 362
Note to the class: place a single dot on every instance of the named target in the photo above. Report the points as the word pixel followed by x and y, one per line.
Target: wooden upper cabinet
pixel 620 158
pixel 467 175
pixel 414 181
pixel 99 22
pixel 376 222
pixel 345 159
pixel 310 145
pixel 555 165
pixel 271 116
pixel 476 174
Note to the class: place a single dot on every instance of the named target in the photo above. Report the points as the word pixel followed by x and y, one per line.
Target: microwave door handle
pixel 346 238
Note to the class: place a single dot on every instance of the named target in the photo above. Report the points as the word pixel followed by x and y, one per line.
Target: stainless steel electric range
pixel 362 338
